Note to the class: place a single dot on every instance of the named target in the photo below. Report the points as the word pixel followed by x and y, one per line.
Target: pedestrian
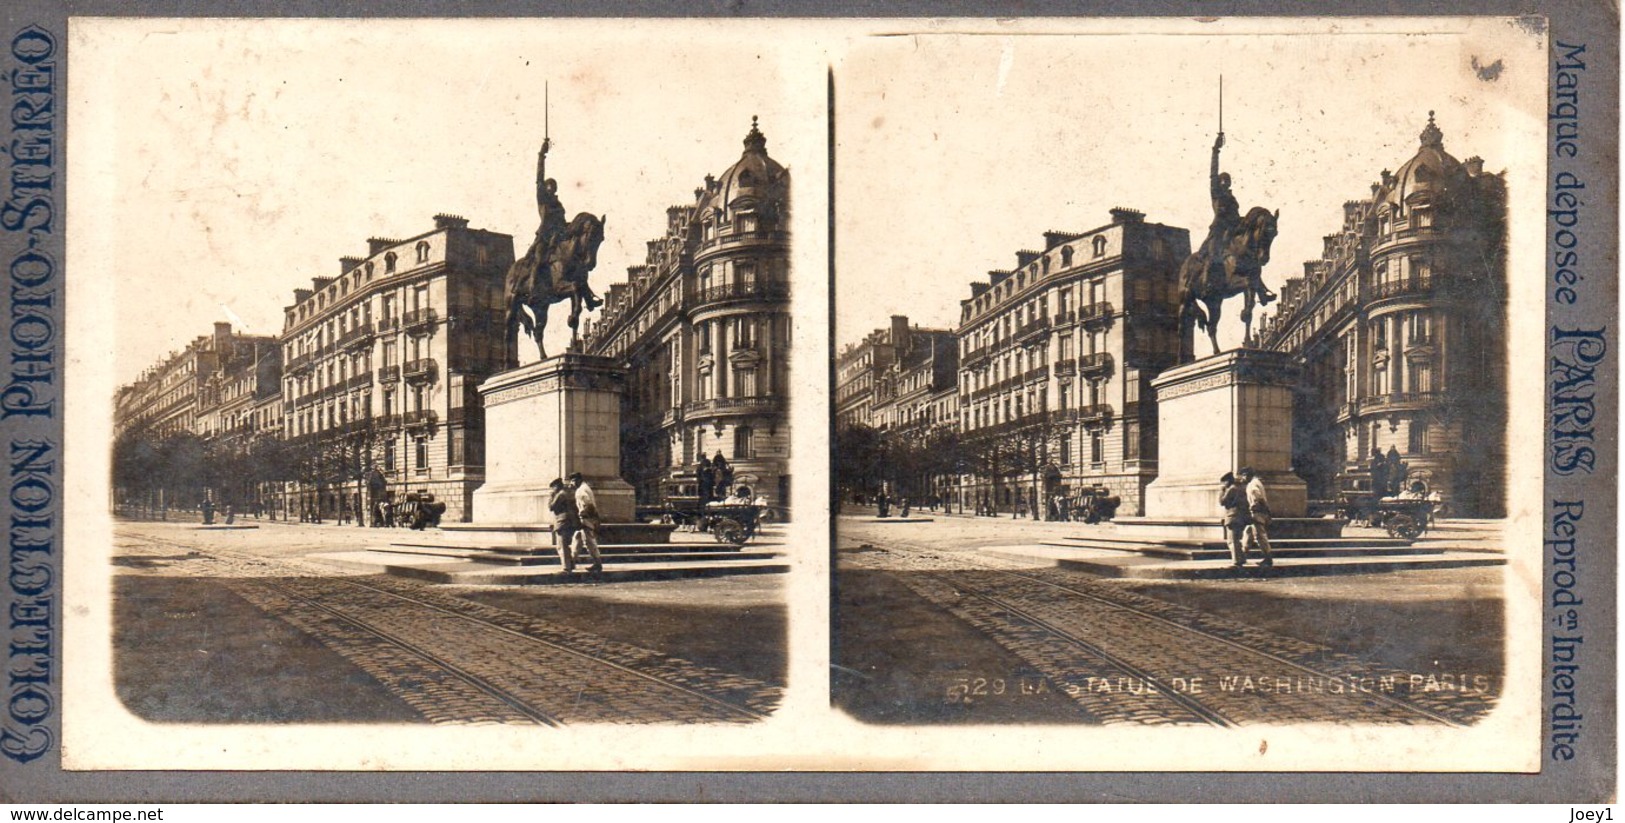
pixel 705 478
pixel 903 509
pixel 1396 472
pixel 587 512
pixel 1379 472
pixel 208 512
pixel 1258 508
pixel 1233 498
pixel 566 522
pixel 725 474
pixel 231 515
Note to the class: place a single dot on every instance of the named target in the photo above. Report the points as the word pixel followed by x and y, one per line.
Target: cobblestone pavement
pixel 457 661
pixel 1127 658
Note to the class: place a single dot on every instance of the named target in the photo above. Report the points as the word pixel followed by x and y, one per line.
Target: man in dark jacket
pixel 1237 516
pixel 566 522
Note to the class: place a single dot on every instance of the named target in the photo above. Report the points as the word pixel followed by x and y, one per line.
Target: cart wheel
pixel 1404 526
pixel 729 530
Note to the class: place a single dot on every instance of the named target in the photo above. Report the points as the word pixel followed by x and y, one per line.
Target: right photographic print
pixel 1179 374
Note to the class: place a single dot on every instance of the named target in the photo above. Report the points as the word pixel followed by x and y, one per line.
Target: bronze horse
pixel 1238 270
pixel 562 276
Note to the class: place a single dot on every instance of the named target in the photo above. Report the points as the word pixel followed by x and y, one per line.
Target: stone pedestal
pixel 546 420
pixel 1217 415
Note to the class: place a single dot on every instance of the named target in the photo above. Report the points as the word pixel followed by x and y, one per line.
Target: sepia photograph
pixel 1172 406
pixel 450 371
pixel 1177 377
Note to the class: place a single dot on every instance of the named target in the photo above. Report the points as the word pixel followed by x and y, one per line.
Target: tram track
pixel 1181 666
pixel 459 661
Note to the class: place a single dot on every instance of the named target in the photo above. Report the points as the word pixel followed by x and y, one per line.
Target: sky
pixel 215 165
pixel 219 165
pixel 953 152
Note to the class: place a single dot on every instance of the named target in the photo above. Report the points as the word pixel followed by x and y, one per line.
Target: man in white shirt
pixel 1258 504
pixel 587 511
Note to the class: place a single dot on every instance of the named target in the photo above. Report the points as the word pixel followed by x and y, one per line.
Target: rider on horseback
pixel 1226 219
pixel 543 251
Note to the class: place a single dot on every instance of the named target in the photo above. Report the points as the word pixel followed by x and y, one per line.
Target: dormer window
pixel 423 251
pixel 369 271
pixel 389 263
pixel 1100 246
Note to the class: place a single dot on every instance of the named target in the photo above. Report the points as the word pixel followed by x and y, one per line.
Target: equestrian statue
pixel 1229 262
pixel 556 266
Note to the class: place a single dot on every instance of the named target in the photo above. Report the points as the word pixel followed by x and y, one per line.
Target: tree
pixel 860 461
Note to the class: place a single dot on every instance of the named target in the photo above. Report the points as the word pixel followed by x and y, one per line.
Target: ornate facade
pixel 703 328
pixel 1401 326
pixel 381 363
pixel 856 373
pixel 1056 360
pixel 205 389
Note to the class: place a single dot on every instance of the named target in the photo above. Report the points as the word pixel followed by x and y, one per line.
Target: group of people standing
pixel 576 522
pixel 1387 473
pixel 714 478
pixel 1246 516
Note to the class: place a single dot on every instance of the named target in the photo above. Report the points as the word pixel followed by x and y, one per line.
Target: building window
pixel 389 455
pixel 1418 438
pixel 1066 449
pixel 1097 448
pixel 1100 246
pixel 1066 256
pixel 420 459
pixel 389 263
pixel 423 251
pixel 744 443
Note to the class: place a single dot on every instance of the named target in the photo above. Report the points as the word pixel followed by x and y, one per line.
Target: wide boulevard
pixel 242 626
pixel 935 624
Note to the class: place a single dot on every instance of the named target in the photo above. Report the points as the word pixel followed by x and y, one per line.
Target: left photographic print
pixel 433 372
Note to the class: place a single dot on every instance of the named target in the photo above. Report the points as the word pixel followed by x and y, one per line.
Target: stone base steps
pixel 1197 549
pixel 454 570
pixel 624 553
pixel 1143 566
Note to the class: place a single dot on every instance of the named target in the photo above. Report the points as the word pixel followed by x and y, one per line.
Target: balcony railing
pixel 753 290
pixel 672 417
pixel 1032 329
pixel 419 419
pixel 419 370
pixel 1066 318
pixel 731 405
pixel 1065 366
pixel 976 357
pixel 361 380
pixel 356 336
pixel 301 362
pixel 1397 400
pixel 389 374
pixel 1097 414
pixel 420 320
pixel 1395 288
pixel 1097 363
pixel 1095 313
pixel 1040 373
pixel 389 324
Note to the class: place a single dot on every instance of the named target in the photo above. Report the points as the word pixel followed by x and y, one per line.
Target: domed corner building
pixel 703 327
pixel 1401 327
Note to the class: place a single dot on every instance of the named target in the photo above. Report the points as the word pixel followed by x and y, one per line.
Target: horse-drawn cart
pixel 1405 517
